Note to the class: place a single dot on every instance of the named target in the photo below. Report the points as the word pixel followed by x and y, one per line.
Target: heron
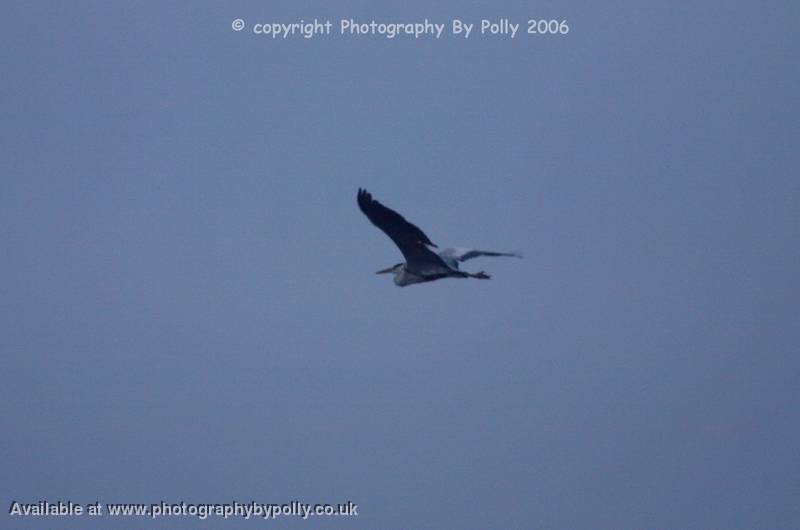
pixel 422 264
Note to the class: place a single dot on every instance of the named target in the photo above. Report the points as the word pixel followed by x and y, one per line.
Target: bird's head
pixel 393 269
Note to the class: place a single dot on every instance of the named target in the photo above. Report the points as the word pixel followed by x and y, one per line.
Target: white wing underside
pixel 452 256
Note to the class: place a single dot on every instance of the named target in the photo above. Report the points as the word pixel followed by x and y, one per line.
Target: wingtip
pixel 363 197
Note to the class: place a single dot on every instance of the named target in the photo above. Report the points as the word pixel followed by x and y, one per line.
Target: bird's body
pixel 422 264
pixel 405 275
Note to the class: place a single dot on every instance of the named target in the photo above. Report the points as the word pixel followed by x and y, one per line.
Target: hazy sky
pixel 189 306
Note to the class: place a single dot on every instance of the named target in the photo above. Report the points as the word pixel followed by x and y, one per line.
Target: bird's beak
pixel 385 271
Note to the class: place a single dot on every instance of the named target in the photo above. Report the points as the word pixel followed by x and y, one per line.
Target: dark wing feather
pixel 408 237
pixel 476 253
pixel 391 222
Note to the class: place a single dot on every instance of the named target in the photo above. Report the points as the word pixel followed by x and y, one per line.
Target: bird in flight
pixel 422 264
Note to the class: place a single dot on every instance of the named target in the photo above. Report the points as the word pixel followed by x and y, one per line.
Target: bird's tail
pixel 480 275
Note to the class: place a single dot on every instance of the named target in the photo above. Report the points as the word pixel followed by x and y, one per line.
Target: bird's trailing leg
pixel 480 275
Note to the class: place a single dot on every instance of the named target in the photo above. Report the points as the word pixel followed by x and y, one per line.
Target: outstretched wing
pixel 453 255
pixel 411 241
pixel 391 222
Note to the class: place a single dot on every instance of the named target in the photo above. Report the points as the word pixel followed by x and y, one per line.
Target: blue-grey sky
pixel 189 306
